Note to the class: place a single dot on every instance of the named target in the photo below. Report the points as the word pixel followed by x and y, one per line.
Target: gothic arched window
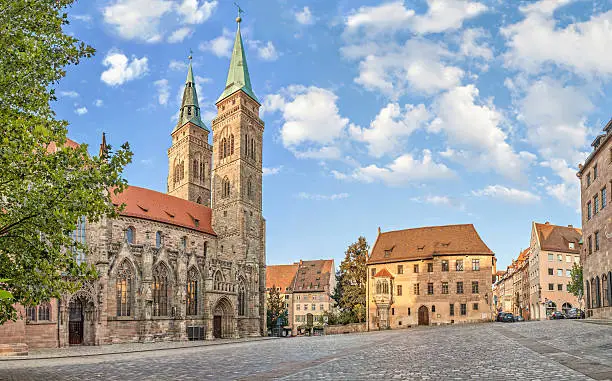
pixel 130 235
pixel 241 299
pixel 124 289
pixel 217 284
pixel 249 188
pixel 231 144
pixel 246 145
pixel 202 171
pixel 31 313
pixel 182 170
pixel 78 236
pixel 161 290
pixel 195 169
pixel 158 239
pixel 192 292
pixel 199 200
pixel 378 287
pixel 44 312
pixel 225 185
pixel 224 148
pixel 184 243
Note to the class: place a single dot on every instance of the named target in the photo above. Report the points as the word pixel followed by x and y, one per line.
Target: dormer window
pixel 420 248
pixel 388 253
pixel 572 246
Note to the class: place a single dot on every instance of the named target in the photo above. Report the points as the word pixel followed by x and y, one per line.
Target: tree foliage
pixel 43 193
pixel 275 308
pixel 350 290
pixel 576 285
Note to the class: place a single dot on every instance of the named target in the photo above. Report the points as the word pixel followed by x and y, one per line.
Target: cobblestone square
pixel 546 350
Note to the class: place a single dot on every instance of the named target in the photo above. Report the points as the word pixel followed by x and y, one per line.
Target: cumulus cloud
pixel 69 94
pixel 304 16
pixel 321 197
pixel 80 110
pixel 270 171
pixel 267 51
pixel 473 46
pixel 443 15
pixel 179 35
pixel 98 103
pixel 120 69
pixel 507 194
pixel 220 46
pixel 163 91
pixel 192 12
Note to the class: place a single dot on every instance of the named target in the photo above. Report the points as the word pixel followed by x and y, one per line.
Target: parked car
pixel 508 317
pixel 500 316
pixel 574 313
pixel 557 315
pixel 518 318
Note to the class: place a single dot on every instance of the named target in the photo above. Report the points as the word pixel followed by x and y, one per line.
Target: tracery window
pixel 31 313
pixel 196 167
pixel 231 150
pixel 158 239
pixel 218 280
pixel 202 171
pixel 78 236
pixel 192 292
pixel 160 290
pixel 130 234
pixel 44 312
pixel 124 289
pixel 249 188
pixel 225 191
pixel 241 299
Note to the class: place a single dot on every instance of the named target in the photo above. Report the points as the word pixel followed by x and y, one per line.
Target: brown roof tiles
pixel 384 273
pixel 313 275
pixel 425 242
pixel 280 276
pixel 558 238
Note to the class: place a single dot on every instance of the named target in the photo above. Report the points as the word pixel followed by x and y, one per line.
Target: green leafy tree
pixel 275 308
pixel 350 291
pixel 44 192
pixel 576 284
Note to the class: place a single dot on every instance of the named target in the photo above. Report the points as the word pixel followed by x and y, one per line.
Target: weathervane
pixel 240 11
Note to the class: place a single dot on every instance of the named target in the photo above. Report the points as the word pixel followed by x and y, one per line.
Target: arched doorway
pixel 423 315
pixel 566 307
pixel 223 319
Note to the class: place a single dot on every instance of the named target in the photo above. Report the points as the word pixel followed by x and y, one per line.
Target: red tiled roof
pixel 425 242
pixel 52 147
pixel 384 273
pixel 558 238
pixel 280 276
pixel 155 206
pixel 313 275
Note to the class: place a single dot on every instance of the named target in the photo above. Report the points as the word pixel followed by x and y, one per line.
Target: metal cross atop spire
pixel 240 11
pixel 190 55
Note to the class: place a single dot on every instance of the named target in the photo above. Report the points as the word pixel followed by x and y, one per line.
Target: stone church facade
pixel 186 264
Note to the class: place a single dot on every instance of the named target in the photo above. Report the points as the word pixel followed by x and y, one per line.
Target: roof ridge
pixel 427 227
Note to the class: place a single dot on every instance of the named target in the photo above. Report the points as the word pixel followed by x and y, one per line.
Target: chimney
pixel 379 230
pixel 570 226
pixel 546 223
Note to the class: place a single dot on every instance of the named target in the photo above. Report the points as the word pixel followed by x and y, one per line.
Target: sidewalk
pixel 111 349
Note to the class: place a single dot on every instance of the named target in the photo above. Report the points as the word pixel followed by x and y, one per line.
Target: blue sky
pixel 395 114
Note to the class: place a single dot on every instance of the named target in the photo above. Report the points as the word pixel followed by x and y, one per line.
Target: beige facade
pixel 429 276
pixel 553 251
pixel 595 187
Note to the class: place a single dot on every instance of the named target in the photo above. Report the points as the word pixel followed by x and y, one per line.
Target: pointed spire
pixel 238 76
pixel 103 146
pixel 190 109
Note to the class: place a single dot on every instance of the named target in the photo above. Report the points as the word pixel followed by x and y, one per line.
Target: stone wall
pixel 347 328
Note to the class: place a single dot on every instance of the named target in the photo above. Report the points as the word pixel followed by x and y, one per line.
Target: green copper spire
pixel 238 76
pixel 190 109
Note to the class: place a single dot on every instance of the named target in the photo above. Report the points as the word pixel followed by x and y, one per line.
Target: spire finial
pixel 240 11
pixel 190 55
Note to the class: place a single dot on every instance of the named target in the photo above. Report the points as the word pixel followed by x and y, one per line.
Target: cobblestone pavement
pixel 559 350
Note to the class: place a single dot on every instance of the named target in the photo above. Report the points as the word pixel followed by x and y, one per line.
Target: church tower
pixel 237 184
pixel 190 156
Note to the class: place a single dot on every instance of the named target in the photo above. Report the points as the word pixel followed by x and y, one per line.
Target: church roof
pixel 53 147
pixel 281 276
pixel 190 98
pixel 238 75
pixel 155 206
pixel 425 242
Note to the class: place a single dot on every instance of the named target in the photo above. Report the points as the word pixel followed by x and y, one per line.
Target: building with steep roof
pixel 553 252
pixel 429 275
pixel 186 264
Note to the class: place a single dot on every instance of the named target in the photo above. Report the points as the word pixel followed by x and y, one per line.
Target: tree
pixel 43 191
pixel 275 308
pixel 576 285
pixel 350 291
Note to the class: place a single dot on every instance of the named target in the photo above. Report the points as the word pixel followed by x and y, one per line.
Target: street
pixel 559 350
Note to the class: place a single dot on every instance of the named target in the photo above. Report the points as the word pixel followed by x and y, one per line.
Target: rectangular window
pixel 551 271
pixel 399 290
pixel 568 258
pixel 459 265
pixel 305 307
pixel 463 309
pixel 392 311
pixel 559 287
pixel 313 307
pixel 596 241
pixel 604 197
pixel 589 210
pixel 416 289
pixel 321 307
pixel 588 179
pixel 400 269
pixel 559 272
pixel 429 288
pixel 433 308
pixel 475 287
pixel 416 268
pixel 560 257
pixel 551 287
pixel 595 172
pixel 459 287
pixel 451 309
pixel 476 264
pixel 430 267
pixel 475 307
pixel 576 259
pixel 373 271
pixel 551 257
pixel 445 265
pixel 590 244
pixel 408 311
pixel 568 272
pixel 596 204
pixel 445 287
pixel 572 246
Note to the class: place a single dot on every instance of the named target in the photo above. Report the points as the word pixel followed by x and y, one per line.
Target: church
pixel 188 264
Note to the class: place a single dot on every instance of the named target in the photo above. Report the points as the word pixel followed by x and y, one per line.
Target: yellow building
pixel 429 275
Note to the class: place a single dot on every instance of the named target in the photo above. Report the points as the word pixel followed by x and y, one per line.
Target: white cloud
pixel 304 16
pixel 386 17
pixel 403 170
pixel 270 171
pixel 85 18
pixel 321 197
pixel 220 46
pixel 163 91
pixel 565 193
pixel 441 201
pixel 98 103
pixel 80 110
pixel 150 20
pixel 443 15
pixel 322 153
pixel 177 65
pixel 120 69
pixel 179 35
pixel 507 194
pixel 471 47
pixel 391 125
pixel 267 52
pixel 476 127
pixel 69 94
pixel 537 40
pixel 395 70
